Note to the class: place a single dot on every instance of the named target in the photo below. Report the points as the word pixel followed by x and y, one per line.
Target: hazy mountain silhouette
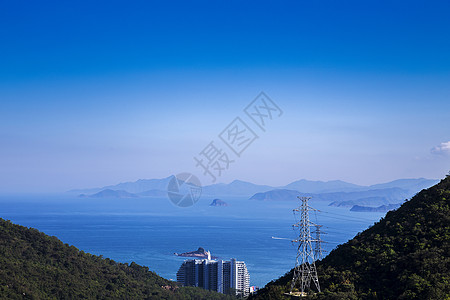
pixel 339 192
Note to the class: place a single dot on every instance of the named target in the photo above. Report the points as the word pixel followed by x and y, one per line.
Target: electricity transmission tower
pixel 318 250
pixel 305 269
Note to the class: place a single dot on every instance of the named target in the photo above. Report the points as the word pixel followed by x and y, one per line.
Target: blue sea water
pixel 148 231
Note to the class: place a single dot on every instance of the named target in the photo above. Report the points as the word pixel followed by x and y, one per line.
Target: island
pixel 382 208
pixel 218 202
pixel 199 253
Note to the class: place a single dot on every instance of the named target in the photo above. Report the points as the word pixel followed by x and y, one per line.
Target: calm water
pixel 148 231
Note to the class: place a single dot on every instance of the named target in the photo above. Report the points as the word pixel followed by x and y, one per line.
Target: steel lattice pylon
pixel 318 251
pixel 305 268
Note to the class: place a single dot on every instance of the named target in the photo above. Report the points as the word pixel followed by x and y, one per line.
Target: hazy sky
pixel 96 94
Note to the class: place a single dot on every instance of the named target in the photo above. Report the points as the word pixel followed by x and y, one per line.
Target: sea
pixel 149 231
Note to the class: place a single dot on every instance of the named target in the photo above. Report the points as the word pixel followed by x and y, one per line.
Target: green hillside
pixel 406 255
pixel 36 266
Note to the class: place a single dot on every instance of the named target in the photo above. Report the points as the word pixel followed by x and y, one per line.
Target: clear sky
pixel 93 94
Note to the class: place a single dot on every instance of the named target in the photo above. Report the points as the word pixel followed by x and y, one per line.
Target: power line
pixel 345 219
pixel 346 216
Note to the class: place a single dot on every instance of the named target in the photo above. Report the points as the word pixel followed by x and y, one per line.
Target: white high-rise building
pixel 240 279
pixel 225 277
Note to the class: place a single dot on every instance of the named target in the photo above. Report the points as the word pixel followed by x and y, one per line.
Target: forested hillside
pixel 406 255
pixel 36 266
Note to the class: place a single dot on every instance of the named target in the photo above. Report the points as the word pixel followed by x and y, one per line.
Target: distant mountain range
pixel 383 196
pixel 337 192
pixel 235 188
pixel 243 188
pixel 108 193
pixel 376 197
pixel 139 186
pixel 307 186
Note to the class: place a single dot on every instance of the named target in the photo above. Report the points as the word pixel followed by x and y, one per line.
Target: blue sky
pixel 95 94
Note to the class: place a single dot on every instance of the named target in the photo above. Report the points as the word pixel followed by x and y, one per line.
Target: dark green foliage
pixel 36 266
pixel 406 255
